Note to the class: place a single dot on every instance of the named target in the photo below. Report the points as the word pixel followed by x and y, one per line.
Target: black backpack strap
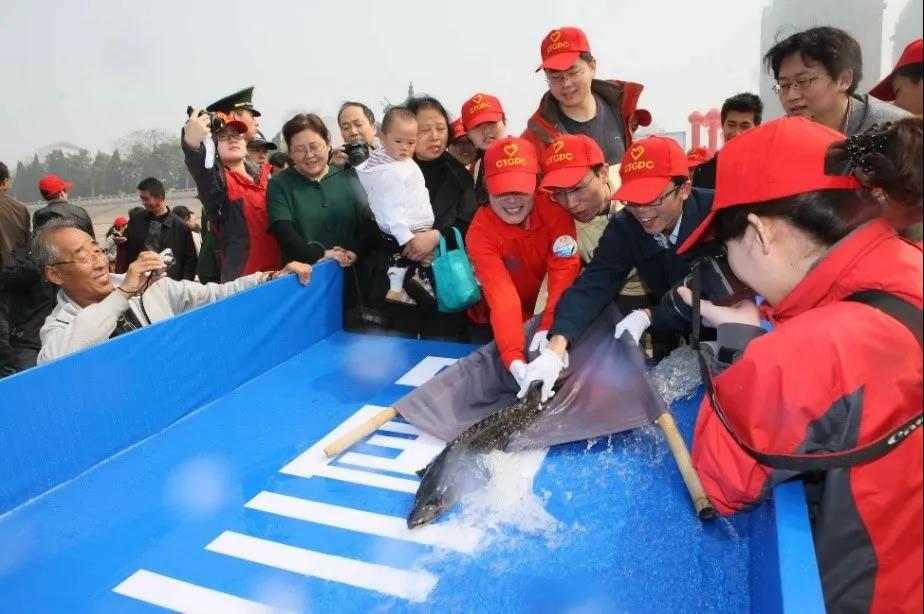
pixel 903 311
pixel 895 306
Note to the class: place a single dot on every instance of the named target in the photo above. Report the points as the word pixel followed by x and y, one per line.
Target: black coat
pixel 624 245
pixel 174 234
pixel 704 174
pixel 452 194
pixel 31 297
pixel 62 208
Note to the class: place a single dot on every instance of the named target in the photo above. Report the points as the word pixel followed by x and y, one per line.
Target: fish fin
pixel 422 472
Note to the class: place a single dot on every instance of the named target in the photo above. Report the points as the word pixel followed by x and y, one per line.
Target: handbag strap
pixel 460 244
pixel 441 248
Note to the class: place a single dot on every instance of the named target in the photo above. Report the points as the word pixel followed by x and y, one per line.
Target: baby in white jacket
pixel 398 197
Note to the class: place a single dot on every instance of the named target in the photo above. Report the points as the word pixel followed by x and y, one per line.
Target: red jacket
pixel 544 125
pixel 263 252
pixel 236 208
pixel 511 261
pixel 830 376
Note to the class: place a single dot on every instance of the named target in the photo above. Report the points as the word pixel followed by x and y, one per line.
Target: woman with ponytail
pixel 832 394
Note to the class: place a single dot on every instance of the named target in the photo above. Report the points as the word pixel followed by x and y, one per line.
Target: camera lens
pixel 357 151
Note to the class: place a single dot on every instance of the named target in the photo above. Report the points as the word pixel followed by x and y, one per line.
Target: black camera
pixel 717 283
pixel 357 151
pixel 216 120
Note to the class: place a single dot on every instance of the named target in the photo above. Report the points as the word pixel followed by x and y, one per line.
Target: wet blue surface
pixel 627 539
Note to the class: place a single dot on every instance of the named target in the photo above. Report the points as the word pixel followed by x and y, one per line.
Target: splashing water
pixel 677 376
pixel 508 500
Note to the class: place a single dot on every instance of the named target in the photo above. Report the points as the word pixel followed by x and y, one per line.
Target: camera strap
pixel 696 320
pixel 890 304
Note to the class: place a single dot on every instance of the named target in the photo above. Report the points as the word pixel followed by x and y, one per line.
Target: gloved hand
pixel 540 341
pixel 518 371
pixel 545 368
pixel 636 323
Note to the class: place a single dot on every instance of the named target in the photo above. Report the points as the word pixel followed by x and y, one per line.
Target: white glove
pixel 518 371
pixel 636 323
pixel 546 368
pixel 540 341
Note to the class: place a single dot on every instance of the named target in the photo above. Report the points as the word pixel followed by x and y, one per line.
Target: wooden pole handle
pixel 348 440
pixel 701 503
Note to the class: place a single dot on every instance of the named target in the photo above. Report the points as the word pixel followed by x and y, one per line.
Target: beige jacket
pixel 71 328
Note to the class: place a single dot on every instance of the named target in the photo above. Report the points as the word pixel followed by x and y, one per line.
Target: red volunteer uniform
pixel 511 260
pixel 831 376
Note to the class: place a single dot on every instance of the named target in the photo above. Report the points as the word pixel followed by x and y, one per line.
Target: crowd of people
pixel 811 213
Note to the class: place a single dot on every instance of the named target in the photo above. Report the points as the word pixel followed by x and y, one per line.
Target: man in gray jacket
pixel 817 72
pixel 94 305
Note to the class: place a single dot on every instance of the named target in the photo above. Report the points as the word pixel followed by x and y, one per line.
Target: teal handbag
pixel 456 288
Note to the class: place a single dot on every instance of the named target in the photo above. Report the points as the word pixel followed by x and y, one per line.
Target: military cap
pixel 234 102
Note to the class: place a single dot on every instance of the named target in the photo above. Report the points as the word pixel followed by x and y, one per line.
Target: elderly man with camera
pixel 94 305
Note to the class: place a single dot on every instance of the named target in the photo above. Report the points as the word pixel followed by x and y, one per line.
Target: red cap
pixel 567 160
pixel 457 129
pixel 52 184
pixel 511 165
pixel 561 48
pixel 481 108
pixel 643 117
pixel 235 124
pixel 697 156
pixel 913 54
pixel 647 168
pixel 781 158
pixel 119 222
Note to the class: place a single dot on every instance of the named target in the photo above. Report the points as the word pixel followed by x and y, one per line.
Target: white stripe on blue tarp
pixel 312 460
pixel 416 449
pixel 365 478
pixel 403 443
pixel 399 427
pixel 410 585
pixel 182 596
pixel 424 370
pixel 396 465
pixel 444 535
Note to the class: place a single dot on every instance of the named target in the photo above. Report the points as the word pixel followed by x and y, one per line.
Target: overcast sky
pixel 91 72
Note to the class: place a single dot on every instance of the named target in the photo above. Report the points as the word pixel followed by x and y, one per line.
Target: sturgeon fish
pixel 459 468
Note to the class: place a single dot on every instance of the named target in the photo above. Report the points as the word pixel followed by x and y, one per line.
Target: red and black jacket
pixel 236 208
pixel 545 125
pixel 833 376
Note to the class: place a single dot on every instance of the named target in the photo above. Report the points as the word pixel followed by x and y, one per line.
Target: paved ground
pixel 103 212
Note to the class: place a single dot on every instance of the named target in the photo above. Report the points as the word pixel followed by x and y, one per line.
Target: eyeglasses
pixel 559 78
pixel 314 149
pixel 229 137
pixel 799 85
pixel 561 196
pixel 658 202
pixel 84 260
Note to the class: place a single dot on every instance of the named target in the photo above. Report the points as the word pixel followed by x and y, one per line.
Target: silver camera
pixel 168 258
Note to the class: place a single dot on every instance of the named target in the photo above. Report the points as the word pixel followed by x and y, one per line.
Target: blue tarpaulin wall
pixel 61 419
pixel 263 370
